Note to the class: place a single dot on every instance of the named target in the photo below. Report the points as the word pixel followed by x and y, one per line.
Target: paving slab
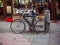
pixel 13 39
pixel 52 38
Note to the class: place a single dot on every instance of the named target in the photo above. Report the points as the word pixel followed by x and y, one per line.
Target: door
pixel 55 9
pixel 57 16
pixel 1 10
pixel 5 9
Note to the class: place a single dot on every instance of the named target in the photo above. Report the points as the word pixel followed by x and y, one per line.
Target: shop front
pixel 8 7
pixel 5 9
pixel 57 17
pixel 1 10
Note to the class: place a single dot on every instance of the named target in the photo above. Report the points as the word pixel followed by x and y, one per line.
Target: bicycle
pixel 19 26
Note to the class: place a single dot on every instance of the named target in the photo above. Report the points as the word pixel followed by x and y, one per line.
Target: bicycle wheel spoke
pixel 17 26
pixel 39 25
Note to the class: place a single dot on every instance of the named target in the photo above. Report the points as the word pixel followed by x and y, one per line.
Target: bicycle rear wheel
pixel 42 26
pixel 18 26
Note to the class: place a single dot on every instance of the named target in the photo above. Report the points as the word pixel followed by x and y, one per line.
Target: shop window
pixel 21 4
pixel 58 9
pixel 8 8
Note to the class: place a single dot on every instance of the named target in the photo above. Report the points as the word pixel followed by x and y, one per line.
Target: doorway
pixel 57 17
pixel 5 9
pixel 1 10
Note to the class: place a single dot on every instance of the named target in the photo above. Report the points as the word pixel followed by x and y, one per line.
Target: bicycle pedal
pixel 33 32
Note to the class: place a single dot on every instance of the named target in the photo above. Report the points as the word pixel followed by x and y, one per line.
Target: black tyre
pixel 47 27
pixel 41 26
pixel 18 26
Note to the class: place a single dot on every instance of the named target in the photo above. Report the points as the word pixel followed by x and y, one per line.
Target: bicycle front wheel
pixel 18 26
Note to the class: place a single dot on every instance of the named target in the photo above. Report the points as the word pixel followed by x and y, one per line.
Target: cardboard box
pixel 40 17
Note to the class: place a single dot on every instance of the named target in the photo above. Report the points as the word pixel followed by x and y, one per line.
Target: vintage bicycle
pixel 35 25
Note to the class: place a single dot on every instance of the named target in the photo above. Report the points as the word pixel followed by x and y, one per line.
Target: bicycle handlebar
pixel 29 15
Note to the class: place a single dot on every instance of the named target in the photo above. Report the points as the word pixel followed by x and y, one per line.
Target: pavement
pixel 51 38
pixel 13 39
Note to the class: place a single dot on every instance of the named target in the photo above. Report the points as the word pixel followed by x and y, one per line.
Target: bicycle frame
pixel 31 24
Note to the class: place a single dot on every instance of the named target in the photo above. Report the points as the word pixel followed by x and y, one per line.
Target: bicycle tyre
pixel 46 26
pixel 16 22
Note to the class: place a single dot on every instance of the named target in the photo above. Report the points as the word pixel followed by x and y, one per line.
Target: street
pixel 51 38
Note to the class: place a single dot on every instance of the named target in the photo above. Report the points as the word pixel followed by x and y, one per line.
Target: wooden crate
pixel 16 17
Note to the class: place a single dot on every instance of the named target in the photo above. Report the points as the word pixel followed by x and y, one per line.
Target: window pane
pixel 8 8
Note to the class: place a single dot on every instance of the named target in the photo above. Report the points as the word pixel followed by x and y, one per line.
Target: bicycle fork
pixel 32 26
